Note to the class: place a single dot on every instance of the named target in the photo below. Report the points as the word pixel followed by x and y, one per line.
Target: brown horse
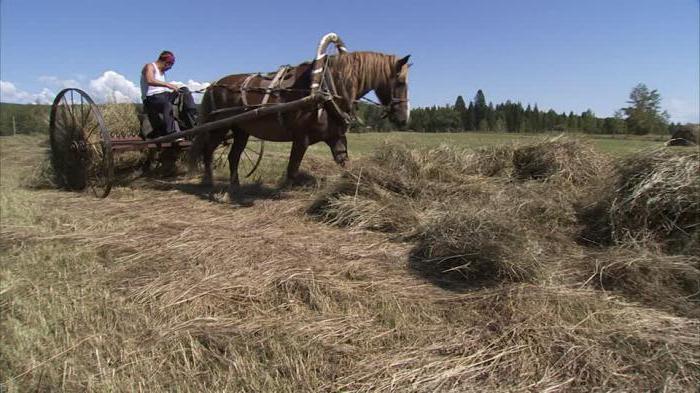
pixel 352 75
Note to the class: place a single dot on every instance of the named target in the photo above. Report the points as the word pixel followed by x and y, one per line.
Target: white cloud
pixel 194 86
pixel 57 82
pixel 45 97
pixel 114 87
pixel 10 93
pixel 108 87
pixel 683 111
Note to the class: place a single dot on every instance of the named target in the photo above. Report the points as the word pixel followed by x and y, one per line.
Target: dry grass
pixel 121 119
pixel 667 282
pixel 478 244
pixel 657 198
pixel 562 158
pixel 519 222
pixel 470 212
pixel 164 289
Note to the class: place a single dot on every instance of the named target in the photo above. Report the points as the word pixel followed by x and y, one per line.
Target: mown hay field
pixel 441 262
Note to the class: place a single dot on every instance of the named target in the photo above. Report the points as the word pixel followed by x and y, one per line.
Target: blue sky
pixel 565 55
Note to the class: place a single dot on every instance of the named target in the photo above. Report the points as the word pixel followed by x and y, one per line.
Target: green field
pixel 274 161
pixel 365 143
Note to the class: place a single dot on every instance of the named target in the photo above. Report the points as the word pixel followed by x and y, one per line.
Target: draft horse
pixel 351 75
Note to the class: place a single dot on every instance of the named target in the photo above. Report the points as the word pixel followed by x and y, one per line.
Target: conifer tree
pixel 480 107
pixel 461 108
pixel 470 123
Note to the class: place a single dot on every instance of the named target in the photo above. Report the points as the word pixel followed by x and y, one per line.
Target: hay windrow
pixel 669 282
pixel 521 221
pixel 657 197
pixel 478 245
pixel 560 158
pixel 469 211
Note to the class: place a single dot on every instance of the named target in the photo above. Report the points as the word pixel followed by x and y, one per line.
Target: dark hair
pixel 166 55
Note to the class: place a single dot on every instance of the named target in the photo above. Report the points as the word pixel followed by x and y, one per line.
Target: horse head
pixel 394 94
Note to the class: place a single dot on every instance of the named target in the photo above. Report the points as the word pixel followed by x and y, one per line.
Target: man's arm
pixel 149 73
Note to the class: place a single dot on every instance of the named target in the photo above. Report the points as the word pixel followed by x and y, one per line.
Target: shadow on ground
pixel 442 276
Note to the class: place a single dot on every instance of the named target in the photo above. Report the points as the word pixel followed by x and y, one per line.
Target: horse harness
pixel 274 83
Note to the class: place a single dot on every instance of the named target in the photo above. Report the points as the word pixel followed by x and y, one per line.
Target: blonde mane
pixel 356 73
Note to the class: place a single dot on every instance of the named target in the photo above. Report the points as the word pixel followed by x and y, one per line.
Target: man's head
pixel 166 60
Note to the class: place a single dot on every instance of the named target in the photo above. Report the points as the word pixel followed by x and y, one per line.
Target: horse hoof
pixel 236 196
pixel 302 179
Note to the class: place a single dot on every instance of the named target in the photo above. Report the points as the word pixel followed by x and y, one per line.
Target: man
pixel 157 94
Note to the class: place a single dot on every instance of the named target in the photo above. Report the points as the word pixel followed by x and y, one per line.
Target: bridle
pixel 388 108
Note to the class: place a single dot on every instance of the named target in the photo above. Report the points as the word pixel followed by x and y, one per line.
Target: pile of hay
pixel 480 245
pixel 121 119
pixel 559 158
pixel 504 225
pixel 666 282
pixel 469 212
pixel 657 200
pixel 508 213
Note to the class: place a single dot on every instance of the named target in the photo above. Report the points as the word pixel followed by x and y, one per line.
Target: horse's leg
pixel 210 144
pixel 208 157
pixel 150 155
pixel 214 139
pixel 299 147
pixel 240 139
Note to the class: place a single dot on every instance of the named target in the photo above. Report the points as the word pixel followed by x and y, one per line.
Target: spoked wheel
pixel 81 148
pixel 251 157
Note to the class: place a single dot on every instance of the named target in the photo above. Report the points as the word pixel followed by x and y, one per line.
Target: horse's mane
pixel 360 72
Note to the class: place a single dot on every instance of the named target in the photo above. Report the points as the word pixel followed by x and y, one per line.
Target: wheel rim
pixel 81 148
pixel 251 157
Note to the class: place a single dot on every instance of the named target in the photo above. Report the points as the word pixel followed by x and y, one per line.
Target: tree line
pixel 642 116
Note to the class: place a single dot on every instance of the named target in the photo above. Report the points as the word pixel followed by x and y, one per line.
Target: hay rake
pixel 83 149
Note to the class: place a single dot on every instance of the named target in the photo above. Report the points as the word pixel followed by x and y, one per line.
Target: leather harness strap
pixel 243 89
pixel 275 81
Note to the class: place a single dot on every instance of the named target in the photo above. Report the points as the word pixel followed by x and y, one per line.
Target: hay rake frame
pixel 83 148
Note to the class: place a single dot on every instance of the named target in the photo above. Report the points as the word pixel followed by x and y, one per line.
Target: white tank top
pixel 148 90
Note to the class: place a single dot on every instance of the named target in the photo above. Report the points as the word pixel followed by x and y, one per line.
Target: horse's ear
pixel 401 62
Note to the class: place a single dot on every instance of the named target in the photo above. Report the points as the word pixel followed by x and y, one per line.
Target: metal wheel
pixel 251 157
pixel 81 147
